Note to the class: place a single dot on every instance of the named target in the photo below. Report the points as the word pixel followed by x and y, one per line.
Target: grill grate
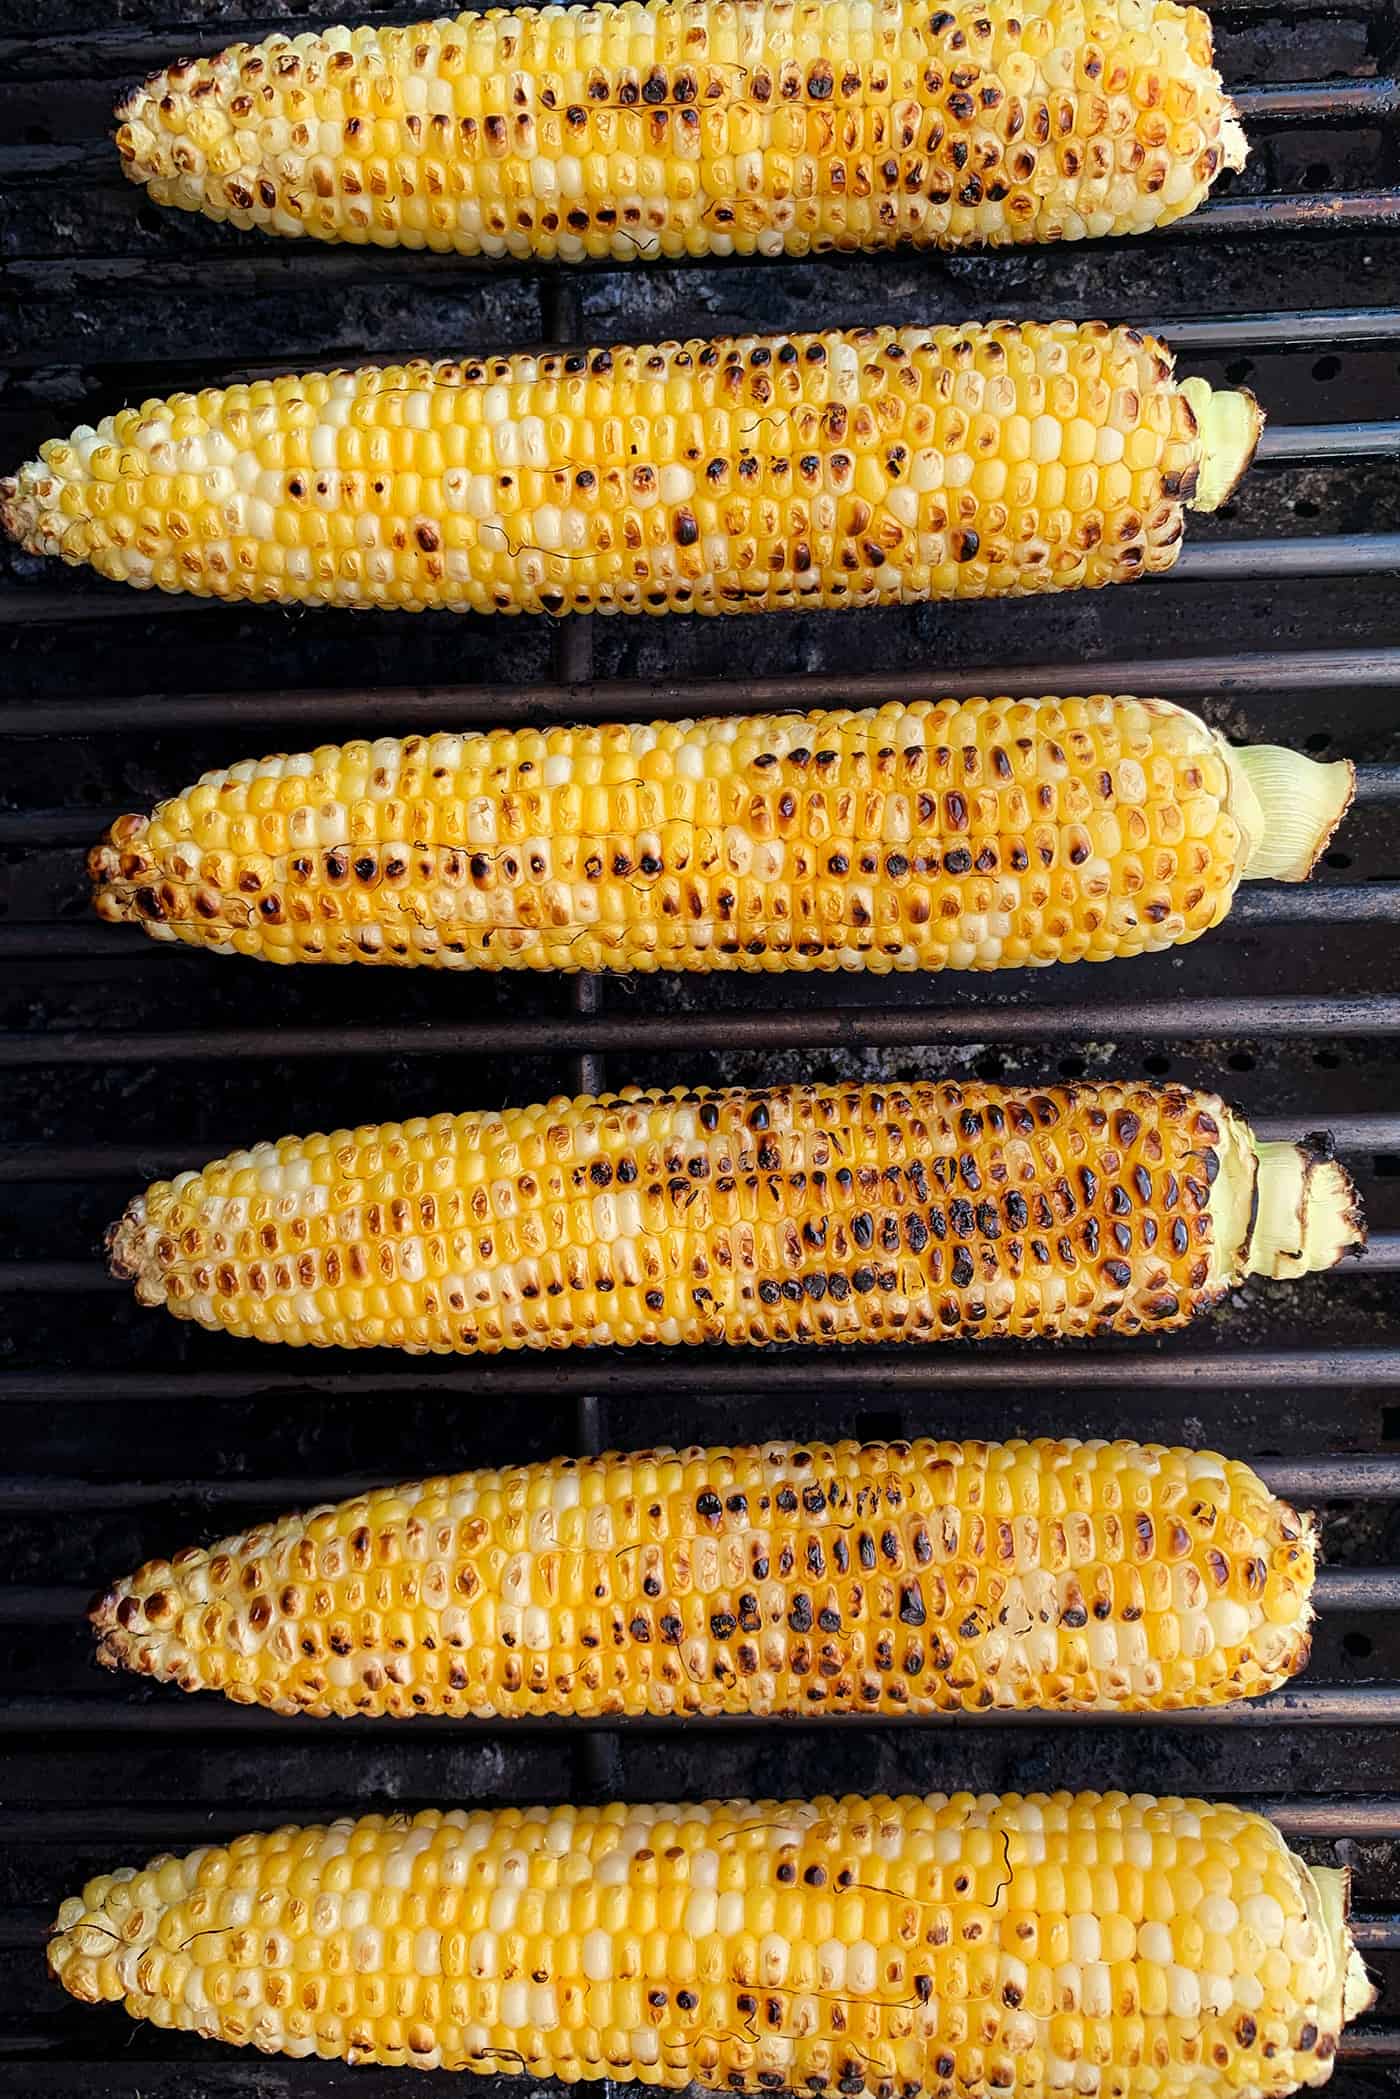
pixel 128 1435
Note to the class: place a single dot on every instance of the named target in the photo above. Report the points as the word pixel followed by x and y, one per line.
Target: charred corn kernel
pixel 789 1578
pixel 665 130
pixel 727 476
pixel 804 1213
pixel 941 1945
pixel 977 834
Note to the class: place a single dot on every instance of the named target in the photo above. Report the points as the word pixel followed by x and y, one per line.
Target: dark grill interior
pixel 128 1435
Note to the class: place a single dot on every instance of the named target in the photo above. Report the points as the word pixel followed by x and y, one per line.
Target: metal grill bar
pixel 1266 670
pixel 1339 1590
pixel 1380 1255
pixel 1257 905
pixel 1318 102
pixel 630 1373
pixel 1313 102
pixel 1281 330
pixel 131 1162
pixel 1316 904
pixel 264 272
pixel 1249 560
pixel 1362 1818
pixel 850 1028
pixel 1307 1480
pixel 1217 561
pixel 1372 2042
pixel 1307 444
pixel 27 1926
pixel 1301 1705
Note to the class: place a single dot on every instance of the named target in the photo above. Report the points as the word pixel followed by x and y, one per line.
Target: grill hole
pixel 1240 1060
pixel 1327 1060
pixel 1071 1067
pixel 1338 859
pixel 1327 367
pixel 1386 1166
pixel 1305 507
pixel 1320 738
pixel 1157 1064
pixel 1357 1643
pixel 1390 1424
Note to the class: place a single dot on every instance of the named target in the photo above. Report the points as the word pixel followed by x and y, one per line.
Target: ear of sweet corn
pixel 883 1578
pixel 1060 1944
pixel 969 835
pixel 804 1213
pixel 663 130
pixel 877 466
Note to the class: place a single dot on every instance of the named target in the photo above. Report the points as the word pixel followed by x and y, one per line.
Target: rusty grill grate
pixel 126 1435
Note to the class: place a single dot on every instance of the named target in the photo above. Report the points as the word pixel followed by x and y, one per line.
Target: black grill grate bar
pixel 1365 100
pixel 907 1369
pixel 1257 905
pixel 848 1027
pixel 1361 1818
pixel 395 707
pixel 140 1163
pixel 98 1716
pixel 29 1927
pixel 1262 905
pixel 160 2077
pixel 1379 1256
pixel 264 271
pixel 80 827
pixel 1321 904
pixel 1308 444
pixel 1352 1591
pixel 1254 560
pixel 1279 330
pixel 1307 1480
pixel 1219 561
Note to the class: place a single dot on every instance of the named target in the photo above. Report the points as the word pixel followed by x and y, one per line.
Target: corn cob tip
pixel 1308 1211
pixel 19 511
pixel 1291 807
pixel 1230 425
pixel 127 881
pixel 128 1253
pixel 1353 1991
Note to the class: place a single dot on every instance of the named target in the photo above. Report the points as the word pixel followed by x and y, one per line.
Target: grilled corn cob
pixel 896 1578
pixel 805 1213
pixel 1090 1944
pixel 981 834
pixel 874 467
pixel 665 130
